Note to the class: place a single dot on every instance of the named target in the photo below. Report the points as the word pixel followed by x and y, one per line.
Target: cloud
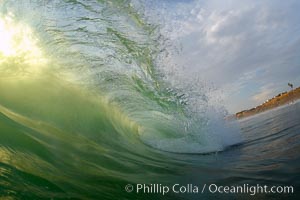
pixel 236 44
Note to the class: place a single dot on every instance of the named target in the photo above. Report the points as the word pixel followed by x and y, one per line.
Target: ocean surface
pixel 86 108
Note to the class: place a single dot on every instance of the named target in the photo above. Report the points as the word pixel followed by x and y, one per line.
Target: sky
pixel 249 50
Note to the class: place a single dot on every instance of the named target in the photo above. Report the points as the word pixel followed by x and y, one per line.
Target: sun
pixel 19 45
pixel 6 39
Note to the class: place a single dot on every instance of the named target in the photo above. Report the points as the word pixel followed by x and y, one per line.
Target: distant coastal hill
pixel 279 100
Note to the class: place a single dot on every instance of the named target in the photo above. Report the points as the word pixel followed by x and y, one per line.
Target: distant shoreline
pixel 279 100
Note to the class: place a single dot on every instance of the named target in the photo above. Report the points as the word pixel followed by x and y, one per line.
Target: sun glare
pixel 6 37
pixel 18 43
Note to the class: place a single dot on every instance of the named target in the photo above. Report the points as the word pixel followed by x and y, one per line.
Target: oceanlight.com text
pixel 207 188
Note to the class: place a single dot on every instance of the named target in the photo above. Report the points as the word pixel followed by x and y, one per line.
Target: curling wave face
pixel 81 89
